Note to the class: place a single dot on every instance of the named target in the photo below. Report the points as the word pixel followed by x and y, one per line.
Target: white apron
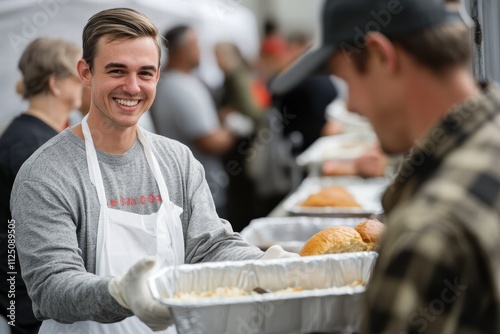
pixel 123 238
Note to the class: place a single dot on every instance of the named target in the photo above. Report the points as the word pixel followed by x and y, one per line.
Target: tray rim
pixel 209 302
pixel 250 231
pixel 290 204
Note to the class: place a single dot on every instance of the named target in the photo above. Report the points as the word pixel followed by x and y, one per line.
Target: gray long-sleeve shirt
pixel 56 213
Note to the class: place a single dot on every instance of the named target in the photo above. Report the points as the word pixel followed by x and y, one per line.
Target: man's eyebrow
pixel 119 65
pixel 149 68
pixel 115 65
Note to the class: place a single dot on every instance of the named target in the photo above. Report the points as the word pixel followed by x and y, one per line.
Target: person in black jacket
pixel 53 89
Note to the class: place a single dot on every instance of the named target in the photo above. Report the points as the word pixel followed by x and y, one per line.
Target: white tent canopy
pixel 23 20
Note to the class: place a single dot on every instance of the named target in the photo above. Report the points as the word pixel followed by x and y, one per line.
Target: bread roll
pixel 371 231
pixel 338 239
pixel 332 196
pixel 343 239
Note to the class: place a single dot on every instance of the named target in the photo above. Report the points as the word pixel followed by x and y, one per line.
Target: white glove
pixel 276 252
pixel 131 291
pixel 239 124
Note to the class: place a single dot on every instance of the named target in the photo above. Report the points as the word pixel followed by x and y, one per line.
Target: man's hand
pixel 371 164
pixel 276 252
pixel 132 292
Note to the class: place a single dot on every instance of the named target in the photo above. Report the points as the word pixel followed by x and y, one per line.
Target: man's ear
pixel 84 72
pixel 382 49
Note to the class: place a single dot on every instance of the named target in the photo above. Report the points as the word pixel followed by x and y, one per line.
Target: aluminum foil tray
pixel 290 232
pixel 368 193
pixel 339 147
pixel 333 307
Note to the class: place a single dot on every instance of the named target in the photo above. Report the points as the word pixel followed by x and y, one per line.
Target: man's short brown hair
pixel 437 48
pixel 116 24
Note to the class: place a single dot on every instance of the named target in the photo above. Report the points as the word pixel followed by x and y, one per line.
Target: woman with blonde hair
pixel 53 89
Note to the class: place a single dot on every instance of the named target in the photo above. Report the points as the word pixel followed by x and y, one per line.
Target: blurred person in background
pixel 271 30
pixel 438 269
pixel 185 111
pixel 301 115
pixel 238 96
pixel 53 89
pixel 237 93
pixel 307 101
pixel 297 42
pixel 297 119
pixel 274 54
pixel 104 202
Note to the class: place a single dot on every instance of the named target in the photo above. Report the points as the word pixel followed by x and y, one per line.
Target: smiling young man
pixel 407 65
pixel 106 194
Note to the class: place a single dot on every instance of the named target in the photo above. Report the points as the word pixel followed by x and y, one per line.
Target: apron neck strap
pixel 93 164
pixel 153 164
pixel 95 171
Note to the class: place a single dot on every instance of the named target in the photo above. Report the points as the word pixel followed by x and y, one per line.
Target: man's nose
pixel 131 85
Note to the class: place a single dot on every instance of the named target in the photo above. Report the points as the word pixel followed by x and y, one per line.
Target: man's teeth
pixel 128 103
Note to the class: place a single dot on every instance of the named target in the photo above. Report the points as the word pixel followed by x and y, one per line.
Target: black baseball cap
pixel 345 23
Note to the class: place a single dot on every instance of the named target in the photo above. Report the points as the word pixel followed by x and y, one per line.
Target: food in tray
pixel 224 292
pixel 343 239
pixel 227 292
pixel 337 196
pixel 230 292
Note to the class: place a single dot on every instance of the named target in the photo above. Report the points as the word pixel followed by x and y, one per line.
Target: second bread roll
pixel 342 239
pixel 337 239
pixel 371 231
